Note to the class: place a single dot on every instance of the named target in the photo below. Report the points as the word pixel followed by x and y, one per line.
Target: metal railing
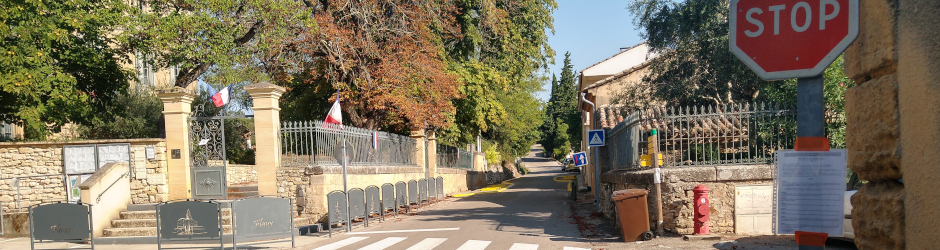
pixel 706 135
pixel 314 143
pixel 454 157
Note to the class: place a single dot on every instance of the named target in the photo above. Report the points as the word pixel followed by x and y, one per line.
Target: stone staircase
pixel 141 220
pixel 238 192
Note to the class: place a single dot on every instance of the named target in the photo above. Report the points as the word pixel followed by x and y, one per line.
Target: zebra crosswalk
pixel 424 244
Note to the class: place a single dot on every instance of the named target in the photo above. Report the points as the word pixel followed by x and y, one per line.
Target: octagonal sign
pixel 781 39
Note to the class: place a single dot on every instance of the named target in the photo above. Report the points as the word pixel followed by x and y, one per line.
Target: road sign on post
pixel 782 39
pixel 596 138
pixel 580 159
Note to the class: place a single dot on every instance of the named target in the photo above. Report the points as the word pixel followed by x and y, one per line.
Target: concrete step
pixel 232 189
pixel 144 231
pixel 131 223
pixel 152 214
pixel 239 195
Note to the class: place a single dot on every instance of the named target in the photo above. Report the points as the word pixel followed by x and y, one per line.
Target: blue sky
pixel 591 30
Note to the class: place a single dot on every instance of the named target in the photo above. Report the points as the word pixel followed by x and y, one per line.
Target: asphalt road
pixel 535 213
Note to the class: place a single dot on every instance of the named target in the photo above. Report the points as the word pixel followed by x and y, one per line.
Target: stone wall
pixel 895 108
pixel 39 165
pixel 677 196
pixel 239 174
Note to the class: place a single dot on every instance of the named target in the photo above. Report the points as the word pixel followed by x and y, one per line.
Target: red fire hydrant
pixel 701 207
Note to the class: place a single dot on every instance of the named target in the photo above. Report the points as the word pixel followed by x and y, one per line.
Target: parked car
pixel 569 166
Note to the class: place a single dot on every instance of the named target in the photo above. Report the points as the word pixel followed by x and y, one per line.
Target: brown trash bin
pixel 633 213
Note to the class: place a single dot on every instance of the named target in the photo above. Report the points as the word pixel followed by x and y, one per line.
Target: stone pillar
pixel 265 97
pixel 873 128
pixel 420 151
pixel 918 70
pixel 432 154
pixel 177 105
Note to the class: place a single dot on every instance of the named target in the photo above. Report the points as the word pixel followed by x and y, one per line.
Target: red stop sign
pixel 781 39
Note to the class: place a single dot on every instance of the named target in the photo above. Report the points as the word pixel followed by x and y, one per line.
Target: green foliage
pixel 562 106
pixel 561 141
pixel 501 46
pixel 695 65
pixel 57 62
pixel 135 114
pixel 220 41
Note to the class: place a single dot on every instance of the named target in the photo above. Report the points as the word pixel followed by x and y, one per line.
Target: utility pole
pixel 657 179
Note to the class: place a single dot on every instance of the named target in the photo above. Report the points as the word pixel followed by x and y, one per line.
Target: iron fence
pixel 314 143
pixel 454 157
pixel 705 135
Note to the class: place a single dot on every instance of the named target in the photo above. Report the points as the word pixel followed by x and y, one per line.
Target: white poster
pixel 810 187
pixel 108 153
pixel 79 159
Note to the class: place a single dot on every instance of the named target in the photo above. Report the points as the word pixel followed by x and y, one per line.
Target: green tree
pixel 548 124
pixel 134 114
pixel 562 106
pixel 695 65
pixel 58 64
pixel 561 140
pixel 219 41
pixel 498 50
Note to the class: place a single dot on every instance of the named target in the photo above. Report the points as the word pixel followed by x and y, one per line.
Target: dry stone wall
pixel 677 196
pixel 38 166
pixel 238 174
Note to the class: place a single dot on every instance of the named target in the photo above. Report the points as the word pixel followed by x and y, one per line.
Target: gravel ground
pixel 602 235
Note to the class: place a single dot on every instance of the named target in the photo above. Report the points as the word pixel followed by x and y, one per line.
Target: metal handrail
pixel 98 200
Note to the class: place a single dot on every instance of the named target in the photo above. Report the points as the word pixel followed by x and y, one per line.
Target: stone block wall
pixel 239 174
pixel 39 166
pixel 677 196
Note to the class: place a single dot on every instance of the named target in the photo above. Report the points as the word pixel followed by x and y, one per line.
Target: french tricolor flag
pixel 220 98
pixel 335 116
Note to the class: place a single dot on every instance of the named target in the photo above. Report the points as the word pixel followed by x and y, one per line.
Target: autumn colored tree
pixel 385 58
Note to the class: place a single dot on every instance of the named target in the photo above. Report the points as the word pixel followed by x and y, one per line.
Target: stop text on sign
pixel 798 9
pixel 781 39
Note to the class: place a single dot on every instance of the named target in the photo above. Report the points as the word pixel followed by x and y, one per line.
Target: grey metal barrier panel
pixel 412 192
pixel 440 186
pixel 189 219
pixel 61 222
pixel 388 198
pixel 262 216
pixel 432 188
pixel 336 203
pixel 337 206
pixel 401 195
pixel 423 189
pixel 357 204
pixel 373 201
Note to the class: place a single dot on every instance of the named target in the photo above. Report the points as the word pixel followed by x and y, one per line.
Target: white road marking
pixel 523 246
pixel 11 239
pixel 427 244
pixel 78 246
pixel 474 245
pixel 406 231
pixel 342 243
pixel 384 243
pixel 575 248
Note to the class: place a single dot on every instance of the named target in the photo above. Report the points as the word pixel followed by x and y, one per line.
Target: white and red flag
pixel 335 116
pixel 220 98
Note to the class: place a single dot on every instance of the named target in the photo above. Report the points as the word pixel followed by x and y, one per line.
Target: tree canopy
pixel 562 108
pixel 58 64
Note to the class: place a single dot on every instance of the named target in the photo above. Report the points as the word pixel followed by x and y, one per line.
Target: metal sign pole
pixel 345 187
pixel 809 105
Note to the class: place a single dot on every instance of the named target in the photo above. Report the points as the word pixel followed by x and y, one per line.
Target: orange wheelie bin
pixel 633 213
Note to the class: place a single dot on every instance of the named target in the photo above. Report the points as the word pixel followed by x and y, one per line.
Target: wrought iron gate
pixel 207 156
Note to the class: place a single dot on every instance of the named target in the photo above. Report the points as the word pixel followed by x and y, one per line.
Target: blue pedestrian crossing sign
pixel 596 138
pixel 580 159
